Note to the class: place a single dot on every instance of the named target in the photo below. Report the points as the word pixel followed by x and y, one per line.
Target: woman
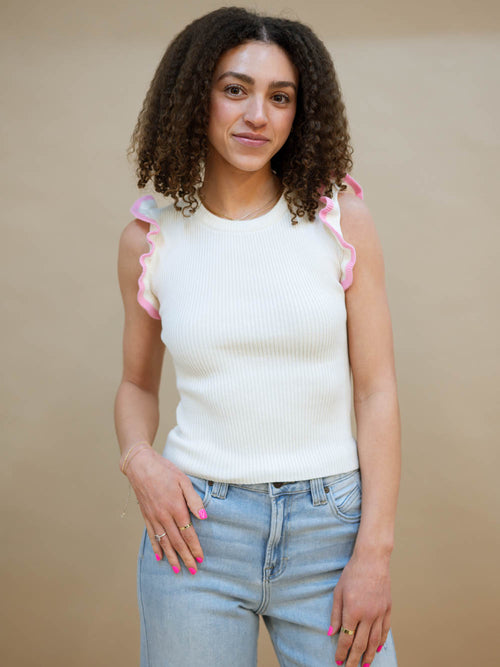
pixel 248 278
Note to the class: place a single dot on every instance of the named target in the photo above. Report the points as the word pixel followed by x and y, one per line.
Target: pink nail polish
pixel 192 570
pixel 366 664
pixel 330 630
pixel 176 569
pixel 199 559
pixel 158 557
pixel 379 648
pixel 202 514
pixel 339 662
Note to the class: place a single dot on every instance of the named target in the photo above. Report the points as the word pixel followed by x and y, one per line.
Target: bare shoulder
pixel 356 220
pixel 133 242
pixel 359 229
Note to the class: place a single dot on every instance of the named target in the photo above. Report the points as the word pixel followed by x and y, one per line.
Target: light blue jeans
pixel 271 550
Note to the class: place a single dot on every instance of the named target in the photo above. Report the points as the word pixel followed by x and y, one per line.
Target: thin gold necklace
pixel 271 201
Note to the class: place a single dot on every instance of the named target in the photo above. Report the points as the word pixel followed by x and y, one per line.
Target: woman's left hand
pixel 362 602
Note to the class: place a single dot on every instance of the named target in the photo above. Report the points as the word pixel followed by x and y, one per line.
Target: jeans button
pixel 278 484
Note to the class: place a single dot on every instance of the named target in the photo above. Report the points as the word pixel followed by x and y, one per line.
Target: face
pixel 252 105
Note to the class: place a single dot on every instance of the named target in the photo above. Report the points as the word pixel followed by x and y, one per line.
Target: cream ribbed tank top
pixel 253 314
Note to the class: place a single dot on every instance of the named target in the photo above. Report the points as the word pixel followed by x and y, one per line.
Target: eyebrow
pixel 248 79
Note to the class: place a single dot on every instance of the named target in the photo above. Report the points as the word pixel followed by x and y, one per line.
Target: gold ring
pixel 186 526
pixel 347 632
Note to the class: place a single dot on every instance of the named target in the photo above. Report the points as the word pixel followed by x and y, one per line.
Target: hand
pixel 362 602
pixel 165 495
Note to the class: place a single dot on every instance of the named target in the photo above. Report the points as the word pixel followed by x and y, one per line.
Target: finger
pixel 373 643
pixel 386 626
pixel 154 542
pixel 336 617
pixel 166 548
pixel 194 504
pixel 190 538
pixel 345 640
pixel 193 500
pixel 175 533
pixel 359 644
pixel 170 554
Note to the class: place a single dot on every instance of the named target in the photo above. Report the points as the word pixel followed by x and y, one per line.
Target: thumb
pixel 193 500
pixel 336 617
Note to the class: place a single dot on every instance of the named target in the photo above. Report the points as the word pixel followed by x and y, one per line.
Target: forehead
pixel 259 60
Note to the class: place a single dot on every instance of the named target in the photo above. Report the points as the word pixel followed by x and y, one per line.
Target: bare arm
pixel 136 405
pixel 371 353
pixel 362 597
pixel 165 493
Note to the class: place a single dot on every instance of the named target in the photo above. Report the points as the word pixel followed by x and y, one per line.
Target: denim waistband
pixel 219 489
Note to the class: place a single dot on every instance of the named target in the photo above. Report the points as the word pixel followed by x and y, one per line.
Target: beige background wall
pixel 419 84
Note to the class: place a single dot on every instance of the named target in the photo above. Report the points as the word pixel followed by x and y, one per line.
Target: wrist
pixel 373 549
pixel 131 453
pixel 140 463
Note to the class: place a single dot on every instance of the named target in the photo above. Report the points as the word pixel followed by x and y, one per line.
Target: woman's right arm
pixel 165 494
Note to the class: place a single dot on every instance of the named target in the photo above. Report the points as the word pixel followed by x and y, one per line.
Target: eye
pixel 284 97
pixel 232 87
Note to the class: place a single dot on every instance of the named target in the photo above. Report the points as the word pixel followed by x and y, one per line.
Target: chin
pixel 249 164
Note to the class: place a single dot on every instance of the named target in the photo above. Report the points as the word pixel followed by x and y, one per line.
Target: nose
pixel 255 112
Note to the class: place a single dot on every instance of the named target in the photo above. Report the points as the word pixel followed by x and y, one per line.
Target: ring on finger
pixel 158 537
pixel 188 525
pixel 347 632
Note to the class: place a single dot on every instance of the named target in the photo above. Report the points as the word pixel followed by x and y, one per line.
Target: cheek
pixel 219 125
pixel 284 124
pixel 221 115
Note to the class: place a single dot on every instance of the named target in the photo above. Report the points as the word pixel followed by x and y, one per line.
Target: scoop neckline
pixel 241 225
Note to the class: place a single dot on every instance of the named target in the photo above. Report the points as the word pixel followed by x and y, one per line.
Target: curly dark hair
pixel 170 137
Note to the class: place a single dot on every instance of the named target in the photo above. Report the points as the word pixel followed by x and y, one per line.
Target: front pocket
pixel 344 497
pixel 202 488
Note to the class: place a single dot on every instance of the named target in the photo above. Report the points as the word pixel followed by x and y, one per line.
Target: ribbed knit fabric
pixel 253 314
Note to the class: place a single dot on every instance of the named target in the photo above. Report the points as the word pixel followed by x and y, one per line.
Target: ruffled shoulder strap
pixel 146 209
pixel 330 215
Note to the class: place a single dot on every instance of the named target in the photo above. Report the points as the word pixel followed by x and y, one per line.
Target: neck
pixel 234 192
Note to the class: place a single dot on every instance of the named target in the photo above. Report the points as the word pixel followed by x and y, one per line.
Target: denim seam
pixel 318 494
pixel 284 532
pixel 146 647
pixel 219 490
pixel 348 501
pixel 207 495
pixel 344 518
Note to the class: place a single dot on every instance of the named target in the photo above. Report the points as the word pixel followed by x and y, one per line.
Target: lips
pixel 251 135
pixel 251 139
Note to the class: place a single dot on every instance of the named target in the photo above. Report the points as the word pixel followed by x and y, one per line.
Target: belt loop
pixel 219 490
pixel 318 491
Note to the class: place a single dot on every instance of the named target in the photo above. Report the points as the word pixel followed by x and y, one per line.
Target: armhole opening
pixel 145 296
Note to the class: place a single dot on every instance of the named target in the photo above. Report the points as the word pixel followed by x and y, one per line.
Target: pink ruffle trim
pixel 346 282
pixel 358 190
pixel 137 211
